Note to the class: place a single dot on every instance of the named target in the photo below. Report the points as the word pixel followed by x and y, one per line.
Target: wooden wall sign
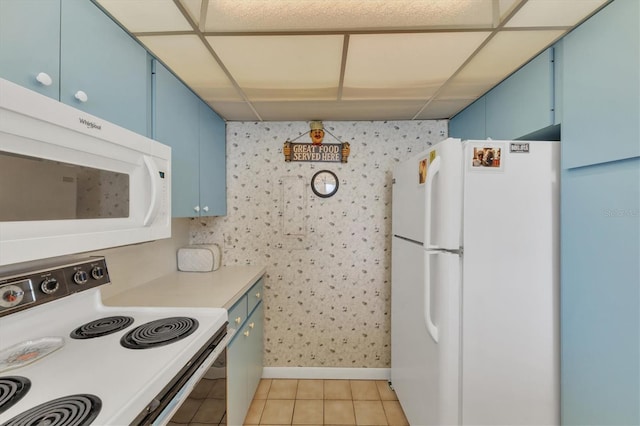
pixel 328 152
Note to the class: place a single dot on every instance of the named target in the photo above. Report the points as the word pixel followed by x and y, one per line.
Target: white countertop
pixel 217 289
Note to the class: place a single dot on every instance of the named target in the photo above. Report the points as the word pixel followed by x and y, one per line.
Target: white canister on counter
pixel 199 258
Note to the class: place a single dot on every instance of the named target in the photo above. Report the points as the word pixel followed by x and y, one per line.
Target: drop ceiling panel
pixel 335 15
pixel 147 15
pixel 240 111
pixel 194 8
pixel 549 13
pixel 506 6
pixel 504 54
pixel 441 109
pixel 405 66
pixel 343 110
pixel 188 58
pixel 282 67
pixel 470 88
pixel 399 59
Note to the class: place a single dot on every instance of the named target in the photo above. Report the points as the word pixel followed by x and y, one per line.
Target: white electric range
pixel 66 359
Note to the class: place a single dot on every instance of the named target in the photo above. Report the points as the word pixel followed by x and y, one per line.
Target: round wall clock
pixel 324 183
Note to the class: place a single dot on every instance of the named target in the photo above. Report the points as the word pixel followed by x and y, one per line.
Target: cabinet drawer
pixel 238 313
pixel 255 295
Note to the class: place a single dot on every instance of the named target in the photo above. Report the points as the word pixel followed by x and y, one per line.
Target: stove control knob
pixel 80 277
pixel 50 285
pixel 10 296
pixel 97 272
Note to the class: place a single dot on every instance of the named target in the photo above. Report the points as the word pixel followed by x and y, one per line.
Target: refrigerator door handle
pixel 431 327
pixel 434 168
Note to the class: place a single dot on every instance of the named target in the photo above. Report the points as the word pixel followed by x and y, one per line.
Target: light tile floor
pixel 325 402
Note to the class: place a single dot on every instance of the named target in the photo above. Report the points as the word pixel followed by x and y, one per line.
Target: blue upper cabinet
pixel 176 113
pixel 30 44
pixel 470 123
pixel 523 103
pixel 80 49
pixel 601 87
pixel 213 176
pixel 99 58
pixel 197 137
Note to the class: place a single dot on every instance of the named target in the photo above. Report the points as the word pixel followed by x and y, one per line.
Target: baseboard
pixel 326 373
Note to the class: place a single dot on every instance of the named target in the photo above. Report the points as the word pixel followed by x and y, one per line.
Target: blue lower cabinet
pixel 244 355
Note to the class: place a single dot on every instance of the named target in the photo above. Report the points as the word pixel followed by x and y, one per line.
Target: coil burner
pixel 12 389
pixel 72 410
pixel 159 333
pixel 101 327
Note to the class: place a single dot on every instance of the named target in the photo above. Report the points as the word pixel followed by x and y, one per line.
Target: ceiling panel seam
pixel 486 41
pixel 204 7
pixel 343 65
pixel 197 31
pixel 349 33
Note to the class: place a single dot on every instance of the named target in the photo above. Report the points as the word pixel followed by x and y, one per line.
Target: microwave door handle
pixel 434 168
pixel 154 205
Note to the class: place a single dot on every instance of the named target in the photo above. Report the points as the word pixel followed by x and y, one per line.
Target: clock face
pixel 324 183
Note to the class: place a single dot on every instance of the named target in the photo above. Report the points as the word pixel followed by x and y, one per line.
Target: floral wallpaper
pixel 327 288
pixel 101 193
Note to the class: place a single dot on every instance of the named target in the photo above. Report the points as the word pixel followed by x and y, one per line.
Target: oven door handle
pixel 173 406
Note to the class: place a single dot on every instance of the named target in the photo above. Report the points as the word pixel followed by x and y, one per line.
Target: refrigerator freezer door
pixel 511 286
pixel 425 373
pixel 412 191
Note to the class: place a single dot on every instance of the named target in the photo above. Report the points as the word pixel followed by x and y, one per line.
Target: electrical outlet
pixel 228 241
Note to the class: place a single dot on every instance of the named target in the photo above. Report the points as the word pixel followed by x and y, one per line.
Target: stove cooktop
pixel 108 382
pixel 72 410
pixel 12 390
pixel 163 331
pixel 101 327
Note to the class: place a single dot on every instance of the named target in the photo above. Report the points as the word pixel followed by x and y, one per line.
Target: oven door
pixel 204 400
pixel 198 393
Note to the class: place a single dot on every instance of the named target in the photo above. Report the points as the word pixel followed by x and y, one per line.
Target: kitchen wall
pixel 327 290
pixel 140 263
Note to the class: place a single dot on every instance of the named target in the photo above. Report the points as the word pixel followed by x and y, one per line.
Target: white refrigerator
pixel 475 284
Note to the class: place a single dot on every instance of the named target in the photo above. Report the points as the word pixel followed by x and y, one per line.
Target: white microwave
pixel 71 182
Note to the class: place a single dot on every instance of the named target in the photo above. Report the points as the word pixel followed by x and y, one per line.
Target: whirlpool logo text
pixel 90 124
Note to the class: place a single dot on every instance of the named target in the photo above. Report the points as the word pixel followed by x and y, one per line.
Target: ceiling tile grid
pixel 292 60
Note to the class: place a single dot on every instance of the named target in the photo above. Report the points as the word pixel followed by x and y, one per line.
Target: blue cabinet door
pixel 237 377
pixel 30 43
pixel 176 123
pixel 255 351
pixel 213 176
pixel 470 123
pixel 523 103
pixel 102 60
pixel 601 111
pixel 600 294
